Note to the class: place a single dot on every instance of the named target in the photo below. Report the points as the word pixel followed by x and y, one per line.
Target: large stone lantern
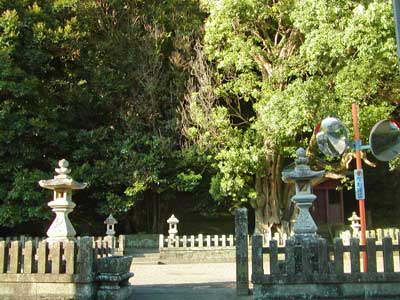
pixel 302 176
pixel 62 184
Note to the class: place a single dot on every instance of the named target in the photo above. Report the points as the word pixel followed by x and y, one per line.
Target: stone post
pixel 85 259
pixel 242 256
pixel 61 229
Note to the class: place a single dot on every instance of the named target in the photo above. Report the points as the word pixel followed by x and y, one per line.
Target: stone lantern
pixel 173 226
pixel 355 224
pixel 62 184
pixel 302 177
pixel 110 223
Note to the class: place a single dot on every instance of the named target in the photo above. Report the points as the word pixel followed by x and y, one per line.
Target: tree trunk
pixel 273 207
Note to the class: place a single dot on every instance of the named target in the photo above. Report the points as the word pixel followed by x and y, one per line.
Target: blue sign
pixel 359 184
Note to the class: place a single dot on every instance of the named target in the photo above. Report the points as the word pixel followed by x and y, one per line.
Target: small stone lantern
pixel 110 223
pixel 355 224
pixel 302 176
pixel 173 226
pixel 62 184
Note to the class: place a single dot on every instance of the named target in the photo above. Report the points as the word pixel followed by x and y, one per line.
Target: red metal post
pixel 361 202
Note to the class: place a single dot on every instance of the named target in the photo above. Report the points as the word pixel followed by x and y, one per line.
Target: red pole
pixel 361 202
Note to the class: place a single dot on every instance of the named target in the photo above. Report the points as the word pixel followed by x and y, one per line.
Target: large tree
pixel 268 72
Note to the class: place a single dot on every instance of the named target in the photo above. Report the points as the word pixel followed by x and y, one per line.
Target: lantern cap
pixel 173 220
pixel 302 171
pixel 62 181
pixel 110 220
pixel 354 217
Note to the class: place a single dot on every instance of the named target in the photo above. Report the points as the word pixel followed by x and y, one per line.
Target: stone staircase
pixel 144 256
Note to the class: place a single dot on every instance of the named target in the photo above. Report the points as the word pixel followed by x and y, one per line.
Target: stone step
pixel 144 256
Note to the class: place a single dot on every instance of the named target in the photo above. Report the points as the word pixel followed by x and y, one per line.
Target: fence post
pixel 208 241
pixel 200 240
pixel 28 257
pixel 257 257
pixel 223 240
pixel 273 257
pixel 121 244
pixel 355 256
pixel 371 255
pixel 216 240
pixel 242 255
pixel 15 257
pixel 42 253
pixel 323 257
pixel 69 253
pixel 387 255
pixel 3 257
pixel 290 261
pixel 161 242
pixel 338 252
pixel 55 253
pixel 230 240
pixel 85 259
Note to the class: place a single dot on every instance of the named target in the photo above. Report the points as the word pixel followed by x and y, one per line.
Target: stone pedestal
pixel 113 278
pixel 304 224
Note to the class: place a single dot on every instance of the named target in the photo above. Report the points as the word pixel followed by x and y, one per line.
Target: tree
pixel 37 52
pixel 137 60
pixel 274 70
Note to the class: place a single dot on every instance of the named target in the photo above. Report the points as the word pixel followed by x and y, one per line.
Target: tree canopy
pixel 276 68
pixel 97 83
pixel 149 99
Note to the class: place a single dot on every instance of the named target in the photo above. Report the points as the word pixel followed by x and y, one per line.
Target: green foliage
pixel 97 83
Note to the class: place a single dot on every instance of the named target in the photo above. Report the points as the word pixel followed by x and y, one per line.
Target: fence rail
pixel 378 234
pixel 34 255
pixel 209 241
pixel 103 245
pixel 27 258
pixel 199 241
pixel 318 262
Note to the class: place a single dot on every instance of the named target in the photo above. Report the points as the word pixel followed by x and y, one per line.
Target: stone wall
pixel 134 241
pixel 197 255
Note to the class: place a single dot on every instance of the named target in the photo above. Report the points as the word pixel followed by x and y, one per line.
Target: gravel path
pixel 185 282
